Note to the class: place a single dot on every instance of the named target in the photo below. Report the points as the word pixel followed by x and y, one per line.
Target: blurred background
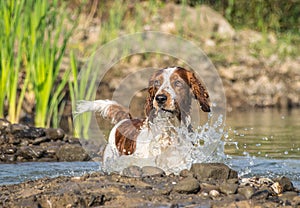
pixel 254 45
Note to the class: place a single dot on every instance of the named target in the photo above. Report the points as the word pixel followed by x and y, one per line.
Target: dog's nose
pixel 161 98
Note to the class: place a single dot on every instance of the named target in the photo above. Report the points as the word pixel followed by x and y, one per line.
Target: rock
pixel 18 127
pixel 132 171
pixel 260 195
pixel 285 183
pixel 208 187
pixel 246 191
pixel 202 20
pixel 30 152
pixel 218 171
pixel 11 158
pixel 40 140
pixel 23 131
pixel 239 204
pixel 288 195
pixel 228 188
pixel 4 124
pixel 187 186
pixel 214 193
pixel 69 152
pixel 13 140
pixel 152 171
pixel 55 134
pixel 296 201
pixel 10 150
pixel 186 173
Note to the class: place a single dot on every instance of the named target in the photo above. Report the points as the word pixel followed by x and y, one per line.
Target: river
pixel 258 143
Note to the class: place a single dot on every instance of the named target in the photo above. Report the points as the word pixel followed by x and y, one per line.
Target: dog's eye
pixel 177 83
pixel 156 83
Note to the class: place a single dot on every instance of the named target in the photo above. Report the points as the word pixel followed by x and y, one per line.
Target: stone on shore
pixel 187 185
pixel 23 143
pixel 213 170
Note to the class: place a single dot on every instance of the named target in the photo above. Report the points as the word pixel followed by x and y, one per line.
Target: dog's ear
pixel 149 101
pixel 199 92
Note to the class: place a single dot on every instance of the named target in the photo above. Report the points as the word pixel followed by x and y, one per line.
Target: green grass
pixel 12 43
pixel 34 42
pixel 82 87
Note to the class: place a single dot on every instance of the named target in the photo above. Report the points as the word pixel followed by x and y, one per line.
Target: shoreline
pixel 205 185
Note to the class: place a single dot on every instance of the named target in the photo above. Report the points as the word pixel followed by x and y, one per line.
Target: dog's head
pixel 170 91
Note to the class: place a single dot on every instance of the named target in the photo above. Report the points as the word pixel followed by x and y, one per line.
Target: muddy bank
pixel 205 185
pixel 23 143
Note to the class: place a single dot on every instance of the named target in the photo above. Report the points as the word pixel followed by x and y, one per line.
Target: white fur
pixel 101 106
pixel 166 85
pixel 142 144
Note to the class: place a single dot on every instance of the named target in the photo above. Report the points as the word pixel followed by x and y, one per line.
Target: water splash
pixel 201 146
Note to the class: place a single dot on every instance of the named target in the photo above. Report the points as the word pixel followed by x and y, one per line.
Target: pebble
pixel 40 140
pixel 11 150
pixel 132 171
pixel 246 191
pixel 11 158
pixel 15 141
pixel 296 200
pixel 259 195
pixel 152 171
pixel 208 187
pixel 289 195
pixel 17 128
pixel 55 134
pixel 187 185
pixel 4 124
pixel 186 173
pixel 228 188
pixel 214 193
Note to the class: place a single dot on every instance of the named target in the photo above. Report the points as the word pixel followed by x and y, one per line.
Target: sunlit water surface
pixel 263 143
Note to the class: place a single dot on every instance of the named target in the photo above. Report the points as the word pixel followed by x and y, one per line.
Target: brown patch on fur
pixel 117 113
pixel 126 135
pixel 198 90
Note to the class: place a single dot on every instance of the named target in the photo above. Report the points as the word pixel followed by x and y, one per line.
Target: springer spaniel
pixel 167 107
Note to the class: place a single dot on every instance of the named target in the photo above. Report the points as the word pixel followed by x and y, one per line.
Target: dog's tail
pixel 108 109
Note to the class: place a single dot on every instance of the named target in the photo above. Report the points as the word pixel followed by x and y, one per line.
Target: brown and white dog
pixel 167 107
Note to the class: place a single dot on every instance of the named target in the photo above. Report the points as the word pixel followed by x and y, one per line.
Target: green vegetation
pixel 34 38
pixel 260 15
pixel 82 88
pixel 33 41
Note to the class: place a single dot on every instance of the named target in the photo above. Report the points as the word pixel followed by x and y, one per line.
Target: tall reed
pixel 11 40
pixel 82 87
pixel 34 42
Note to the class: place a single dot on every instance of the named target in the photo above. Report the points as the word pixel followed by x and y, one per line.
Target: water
pixel 170 148
pixel 17 173
pixel 265 133
pixel 260 143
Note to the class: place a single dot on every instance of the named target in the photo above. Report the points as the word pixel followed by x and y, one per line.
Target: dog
pixel 167 107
